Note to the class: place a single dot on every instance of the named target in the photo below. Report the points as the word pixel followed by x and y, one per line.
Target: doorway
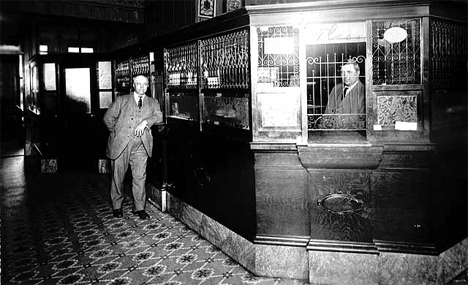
pixel 82 139
pixel 11 121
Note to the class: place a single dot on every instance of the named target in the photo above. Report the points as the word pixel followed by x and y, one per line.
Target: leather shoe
pixel 142 215
pixel 117 213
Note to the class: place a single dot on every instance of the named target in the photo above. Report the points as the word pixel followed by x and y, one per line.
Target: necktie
pixel 345 90
pixel 140 102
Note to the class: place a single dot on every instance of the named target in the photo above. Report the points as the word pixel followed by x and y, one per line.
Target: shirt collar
pixel 137 97
pixel 352 86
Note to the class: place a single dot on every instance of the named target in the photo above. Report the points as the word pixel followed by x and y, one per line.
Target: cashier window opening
pixel 347 97
pixel 336 87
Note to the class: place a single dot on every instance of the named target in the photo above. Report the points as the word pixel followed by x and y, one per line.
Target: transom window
pixel 80 49
pixel 43 49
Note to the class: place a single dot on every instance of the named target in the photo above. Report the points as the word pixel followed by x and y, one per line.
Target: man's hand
pixel 140 129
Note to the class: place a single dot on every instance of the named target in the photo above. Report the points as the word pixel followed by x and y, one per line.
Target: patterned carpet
pixel 59 229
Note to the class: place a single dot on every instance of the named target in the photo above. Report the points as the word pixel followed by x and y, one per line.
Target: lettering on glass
pixel 278 110
pixel 336 33
pixel 392 109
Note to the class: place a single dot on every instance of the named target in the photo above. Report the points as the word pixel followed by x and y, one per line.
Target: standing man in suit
pixel 129 119
pixel 348 97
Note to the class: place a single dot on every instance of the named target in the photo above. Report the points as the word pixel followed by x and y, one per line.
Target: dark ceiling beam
pixel 131 12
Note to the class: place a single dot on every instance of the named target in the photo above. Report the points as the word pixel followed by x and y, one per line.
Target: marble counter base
pixel 328 267
pixel 156 197
pixel 454 261
pixel 343 268
pixel 321 266
pixel 262 260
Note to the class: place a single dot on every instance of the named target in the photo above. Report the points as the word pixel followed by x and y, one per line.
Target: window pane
pixel 49 77
pixel 105 74
pixel 396 52
pixel 35 79
pixel 78 90
pixel 105 99
pixel 43 49
pixel 74 49
pixel 278 56
pixel 87 50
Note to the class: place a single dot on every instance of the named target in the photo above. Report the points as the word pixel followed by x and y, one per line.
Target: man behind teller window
pixel 347 97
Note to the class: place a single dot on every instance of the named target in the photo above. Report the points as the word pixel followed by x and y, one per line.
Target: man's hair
pixel 140 75
pixel 353 63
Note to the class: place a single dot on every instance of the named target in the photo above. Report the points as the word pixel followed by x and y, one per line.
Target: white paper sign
pixel 406 126
pixel 278 110
pixel 395 35
pixel 279 45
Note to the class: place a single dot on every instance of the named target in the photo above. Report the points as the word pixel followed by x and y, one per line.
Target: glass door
pixel 82 141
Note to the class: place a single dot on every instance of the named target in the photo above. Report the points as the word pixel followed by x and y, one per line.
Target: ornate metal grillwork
pixel 448 52
pixel 285 66
pixel 122 74
pixel 225 61
pixel 398 62
pixel 182 66
pixel 323 74
pixel 140 66
pixel 337 122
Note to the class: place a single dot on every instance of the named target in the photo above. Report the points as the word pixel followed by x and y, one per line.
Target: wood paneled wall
pixel 267 2
pixel 165 16
pixel 116 11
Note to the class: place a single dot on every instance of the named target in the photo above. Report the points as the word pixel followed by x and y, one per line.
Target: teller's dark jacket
pixel 353 103
pixel 123 116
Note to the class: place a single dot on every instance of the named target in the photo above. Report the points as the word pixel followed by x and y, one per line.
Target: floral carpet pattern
pixel 59 229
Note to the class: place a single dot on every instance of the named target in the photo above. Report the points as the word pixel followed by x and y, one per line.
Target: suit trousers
pixel 135 155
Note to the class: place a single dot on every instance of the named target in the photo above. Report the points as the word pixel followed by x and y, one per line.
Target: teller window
pixel 336 90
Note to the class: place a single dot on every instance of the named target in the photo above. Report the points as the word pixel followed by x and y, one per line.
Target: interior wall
pixel 10 121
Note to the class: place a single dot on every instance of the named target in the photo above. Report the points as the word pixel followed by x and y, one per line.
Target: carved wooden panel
pixel 391 109
pixel 353 226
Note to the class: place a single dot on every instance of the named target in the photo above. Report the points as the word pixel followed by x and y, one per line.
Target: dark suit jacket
pixel 123 116
pixel 353 103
